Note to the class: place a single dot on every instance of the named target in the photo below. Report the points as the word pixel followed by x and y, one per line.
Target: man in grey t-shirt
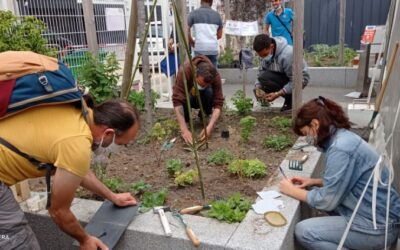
pixel 206 25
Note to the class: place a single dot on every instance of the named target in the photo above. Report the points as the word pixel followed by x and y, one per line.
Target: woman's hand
pixel 302 182
pixel 286 186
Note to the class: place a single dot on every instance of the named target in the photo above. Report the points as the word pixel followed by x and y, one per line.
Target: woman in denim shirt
pixel 349 162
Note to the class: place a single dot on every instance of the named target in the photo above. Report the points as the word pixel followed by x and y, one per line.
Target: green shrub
pixel 153 199
pixel 137 98
pixel 277 142
pixel 174 166
pixel 23 34
pixel 100 76
pixel 226 57
pixel 325 55
pixel 282 122
pixel 246 125
pixel 233 210
pixel 248 168
pixel 242 104
pixel 221 157
pixel 186 178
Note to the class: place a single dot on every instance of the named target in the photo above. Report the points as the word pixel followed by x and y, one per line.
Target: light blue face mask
pixel 268 58
pixel 311 140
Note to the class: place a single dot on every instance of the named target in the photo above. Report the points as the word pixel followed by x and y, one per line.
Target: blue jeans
pixel 213 58
pixel 206 96
pixel 326 232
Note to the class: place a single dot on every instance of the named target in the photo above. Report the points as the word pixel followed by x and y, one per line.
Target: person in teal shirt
pixel 280 19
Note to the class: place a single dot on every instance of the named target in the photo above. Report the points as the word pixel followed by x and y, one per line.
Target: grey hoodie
pixel 282 62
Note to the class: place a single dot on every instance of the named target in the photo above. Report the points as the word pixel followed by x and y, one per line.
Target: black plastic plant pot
pixel 225 134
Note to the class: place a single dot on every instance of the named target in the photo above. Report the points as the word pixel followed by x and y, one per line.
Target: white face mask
pixel 200 87
pixel 311 140
pixel 107 151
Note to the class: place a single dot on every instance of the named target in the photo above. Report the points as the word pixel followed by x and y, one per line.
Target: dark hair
pixel 210 2
pixel 116 114
pixel 327 112
pixel 262 41
pixel 207 71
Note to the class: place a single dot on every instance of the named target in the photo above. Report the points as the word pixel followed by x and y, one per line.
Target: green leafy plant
pixel 242 104
pixel 246 126
pixel 282 122
pixel 221 157
pixel 325 55
pixel 100 76
pixel 153 199
pixel 114 183
pixel 277 142
pixel 137 99
pixel 248 168
pixel 226 57
pixel 140 187
pixel 23 34
pixel 174 166
pixel 99 170
pixel 186 178
pixel 232 210
pixel 171 127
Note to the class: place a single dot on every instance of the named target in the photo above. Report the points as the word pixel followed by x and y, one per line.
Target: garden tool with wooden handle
pixel 163 218
pixel 194 209
pixel 188 230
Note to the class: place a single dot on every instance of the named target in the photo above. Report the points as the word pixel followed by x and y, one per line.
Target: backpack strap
pixel 287 29
pixel 40 166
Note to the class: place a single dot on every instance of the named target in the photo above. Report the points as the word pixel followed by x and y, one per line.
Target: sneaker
pixel 286 107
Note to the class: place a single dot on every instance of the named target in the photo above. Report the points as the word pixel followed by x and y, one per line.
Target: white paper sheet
pixel 266 205
pixel 272 194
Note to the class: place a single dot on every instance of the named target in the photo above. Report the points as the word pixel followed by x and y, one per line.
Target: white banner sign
pixel 115 19
pixel 238 28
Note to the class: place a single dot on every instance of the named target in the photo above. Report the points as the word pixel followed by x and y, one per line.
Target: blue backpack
pixel 28 79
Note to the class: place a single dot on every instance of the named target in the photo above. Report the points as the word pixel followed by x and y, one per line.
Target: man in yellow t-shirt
pixel 59 135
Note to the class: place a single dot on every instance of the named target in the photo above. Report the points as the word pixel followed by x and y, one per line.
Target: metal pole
pixel 342 30
pixel 90 26
pixel 298 25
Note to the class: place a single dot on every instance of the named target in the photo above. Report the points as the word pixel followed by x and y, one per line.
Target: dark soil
pixel 139 161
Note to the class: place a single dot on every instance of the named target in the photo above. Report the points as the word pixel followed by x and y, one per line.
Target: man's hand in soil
pixel 124 199
pixel 92 243
pixel 272 96
pixel 202 136
pixel 187 136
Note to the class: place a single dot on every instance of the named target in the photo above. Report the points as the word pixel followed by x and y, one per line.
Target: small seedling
pixel 277 142
pixel 221 157
pixel 153 199
pixel 248 168
pixel 242 104
pixel 282 122
pixel 113 183
pixel 247 124
pixel 232 210
pixel 140 187
pixel 186 178
pixel 174 166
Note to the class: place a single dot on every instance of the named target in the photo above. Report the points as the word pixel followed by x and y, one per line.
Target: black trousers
pixel 272 81
pixel 207 99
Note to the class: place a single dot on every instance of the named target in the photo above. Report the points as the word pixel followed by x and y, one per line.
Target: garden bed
pixel 138 162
